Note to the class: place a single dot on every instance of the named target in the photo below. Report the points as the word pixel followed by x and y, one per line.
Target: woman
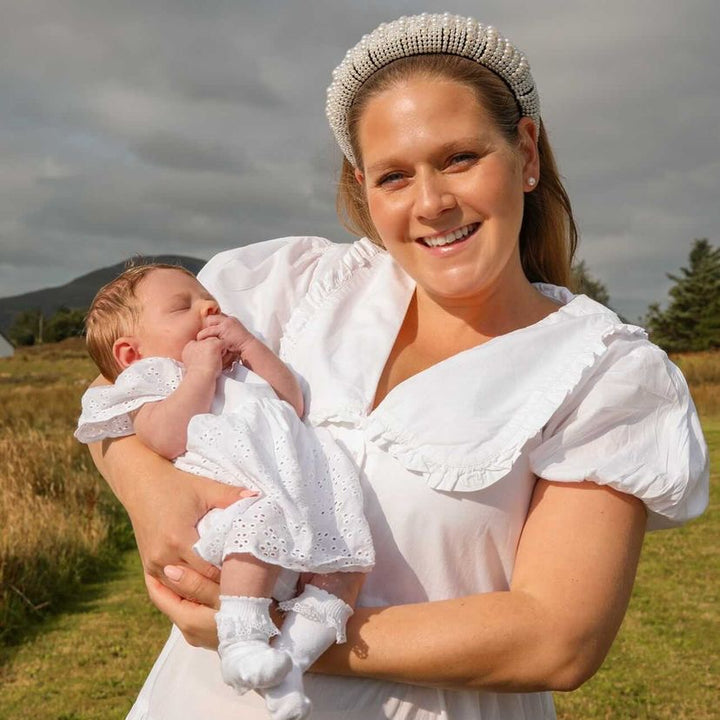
pixel 514 441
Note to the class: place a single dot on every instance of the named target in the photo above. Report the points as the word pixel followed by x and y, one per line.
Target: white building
pixel 6 347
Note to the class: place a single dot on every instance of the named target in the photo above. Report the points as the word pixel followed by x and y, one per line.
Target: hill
pixel 78 293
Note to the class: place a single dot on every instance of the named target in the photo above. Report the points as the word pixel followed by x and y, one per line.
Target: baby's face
pixel 174 307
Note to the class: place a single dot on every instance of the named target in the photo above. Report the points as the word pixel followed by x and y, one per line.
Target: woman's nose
pixel 433 196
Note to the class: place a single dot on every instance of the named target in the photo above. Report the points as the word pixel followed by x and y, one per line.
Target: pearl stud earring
pixel 531 181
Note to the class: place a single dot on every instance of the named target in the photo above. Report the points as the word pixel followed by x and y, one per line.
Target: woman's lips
pixel 450 238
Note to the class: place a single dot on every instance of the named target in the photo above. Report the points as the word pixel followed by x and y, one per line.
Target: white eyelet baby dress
pixel 309 515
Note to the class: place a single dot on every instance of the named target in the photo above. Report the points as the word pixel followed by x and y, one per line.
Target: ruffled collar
pixel 463 422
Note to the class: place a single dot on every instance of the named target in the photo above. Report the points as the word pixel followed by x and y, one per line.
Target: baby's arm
pixel 256 356
pixel 162 425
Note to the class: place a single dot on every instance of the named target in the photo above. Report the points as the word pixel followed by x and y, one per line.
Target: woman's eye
pixel 463 159
pixel 390 179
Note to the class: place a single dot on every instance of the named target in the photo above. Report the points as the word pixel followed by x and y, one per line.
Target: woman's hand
pixel 164 505
pixel 195 621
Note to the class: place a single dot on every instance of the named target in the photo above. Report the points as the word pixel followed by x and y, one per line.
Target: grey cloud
pixel 188 154
pixel 178 126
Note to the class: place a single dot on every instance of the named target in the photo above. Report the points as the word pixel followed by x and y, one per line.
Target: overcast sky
pixel 181 126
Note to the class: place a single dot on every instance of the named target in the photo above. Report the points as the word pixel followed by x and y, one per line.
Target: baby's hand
pixel 233 334
pixel 206 355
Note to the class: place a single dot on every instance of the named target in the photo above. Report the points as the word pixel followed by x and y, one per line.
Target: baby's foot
pixel 250 664
pixel 287 701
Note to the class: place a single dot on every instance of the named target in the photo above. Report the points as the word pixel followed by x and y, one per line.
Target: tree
pixel 31 327
pixel 65 323
pixel 27 327
pixel 585 284
pixel 691 321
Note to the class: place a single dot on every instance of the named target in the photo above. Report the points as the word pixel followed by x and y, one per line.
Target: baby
pixel 198 388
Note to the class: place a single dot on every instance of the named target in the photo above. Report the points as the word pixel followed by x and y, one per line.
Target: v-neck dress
pixel 450 457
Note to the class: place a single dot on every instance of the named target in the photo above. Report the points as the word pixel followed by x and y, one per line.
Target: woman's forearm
pixel 573 576
pixel 496 641
pixel 164 505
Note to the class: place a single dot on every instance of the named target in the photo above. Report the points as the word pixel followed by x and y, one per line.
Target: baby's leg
pixel 245 627
pixel 314 621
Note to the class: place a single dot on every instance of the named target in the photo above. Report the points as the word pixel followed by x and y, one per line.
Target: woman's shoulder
pixel 612 345
pixel 286 258
pixel 263 284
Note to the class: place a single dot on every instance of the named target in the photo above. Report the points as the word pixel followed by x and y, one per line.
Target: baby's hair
pixel 115 312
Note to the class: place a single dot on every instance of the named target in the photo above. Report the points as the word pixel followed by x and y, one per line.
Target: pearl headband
pixel 424 35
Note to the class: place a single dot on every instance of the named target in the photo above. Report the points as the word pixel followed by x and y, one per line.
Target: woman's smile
pixel 445 242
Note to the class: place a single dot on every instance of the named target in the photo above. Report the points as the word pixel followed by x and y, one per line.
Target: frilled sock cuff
pixel 321 607
pixel 244 618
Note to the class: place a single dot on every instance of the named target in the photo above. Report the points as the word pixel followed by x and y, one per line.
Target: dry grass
pixel 702 371
pixel 58 519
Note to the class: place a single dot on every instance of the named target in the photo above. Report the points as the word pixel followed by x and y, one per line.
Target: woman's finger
pixel 196 622
pixel 203 567
pixel 191 585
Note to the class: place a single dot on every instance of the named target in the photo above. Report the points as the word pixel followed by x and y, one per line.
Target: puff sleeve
pixel 107 409
pixel 631 424
pixel 261 284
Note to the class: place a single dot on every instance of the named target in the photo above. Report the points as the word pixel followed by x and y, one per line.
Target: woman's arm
pixel 574 572
pixel 256 356
pixel 164 505
pixel 573 576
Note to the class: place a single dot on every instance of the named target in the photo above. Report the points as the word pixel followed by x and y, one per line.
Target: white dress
pixel 450 457
pixel 309 515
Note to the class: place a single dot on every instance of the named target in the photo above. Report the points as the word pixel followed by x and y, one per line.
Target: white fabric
pixel 448 458
pixel 309 516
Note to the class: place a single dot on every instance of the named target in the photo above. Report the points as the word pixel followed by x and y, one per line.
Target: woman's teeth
pixel 450 237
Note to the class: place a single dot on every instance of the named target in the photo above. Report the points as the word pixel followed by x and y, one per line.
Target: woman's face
pixel 444 188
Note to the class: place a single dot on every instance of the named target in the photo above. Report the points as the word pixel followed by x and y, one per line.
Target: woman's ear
pixel 359 176
pixel 125 351
pixel 528 143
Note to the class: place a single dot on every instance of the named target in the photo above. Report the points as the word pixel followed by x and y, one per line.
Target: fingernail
pixel 172 572
pixel 249 493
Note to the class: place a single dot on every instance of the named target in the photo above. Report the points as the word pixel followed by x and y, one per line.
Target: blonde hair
pixel 548 236
pixel 114 312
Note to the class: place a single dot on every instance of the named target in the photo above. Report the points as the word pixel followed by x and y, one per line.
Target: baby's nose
pixel 210 308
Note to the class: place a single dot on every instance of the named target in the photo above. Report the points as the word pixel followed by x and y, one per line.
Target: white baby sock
pixel 244 630
pixel 315 620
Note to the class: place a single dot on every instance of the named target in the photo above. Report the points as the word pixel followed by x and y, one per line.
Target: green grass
pixel 666 660
pixel 88 660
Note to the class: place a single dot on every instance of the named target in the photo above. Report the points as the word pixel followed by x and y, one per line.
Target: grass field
pixel 80 635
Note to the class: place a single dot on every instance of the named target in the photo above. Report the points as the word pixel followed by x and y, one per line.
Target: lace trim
pixel 321 607
pixel 244 618
pixel 106 410
pixel 360 254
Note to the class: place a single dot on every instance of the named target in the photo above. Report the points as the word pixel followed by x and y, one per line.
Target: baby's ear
pixel 125 351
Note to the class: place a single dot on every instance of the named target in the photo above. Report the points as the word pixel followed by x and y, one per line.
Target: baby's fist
pixel 204 355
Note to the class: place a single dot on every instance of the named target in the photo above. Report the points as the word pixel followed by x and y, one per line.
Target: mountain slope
pixel 78 293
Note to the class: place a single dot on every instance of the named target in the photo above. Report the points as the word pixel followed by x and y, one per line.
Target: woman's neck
pixel 466 322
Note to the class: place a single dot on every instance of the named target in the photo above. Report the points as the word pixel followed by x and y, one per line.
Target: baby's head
pixel 118 322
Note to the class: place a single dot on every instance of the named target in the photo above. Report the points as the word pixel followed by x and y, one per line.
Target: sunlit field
pixel 78 634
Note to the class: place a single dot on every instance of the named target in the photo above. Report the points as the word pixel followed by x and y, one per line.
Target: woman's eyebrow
pixel 474 142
